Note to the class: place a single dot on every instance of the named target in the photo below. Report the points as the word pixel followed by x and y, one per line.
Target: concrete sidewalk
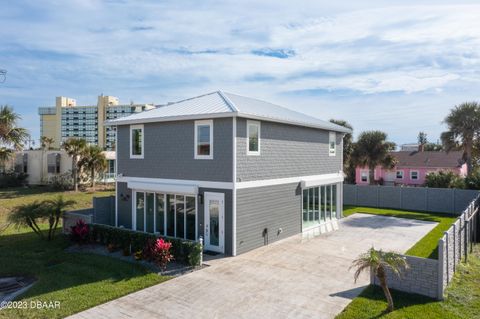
pixel 288 279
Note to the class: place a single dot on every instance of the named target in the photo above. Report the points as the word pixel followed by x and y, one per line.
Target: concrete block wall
pixel 104 210
pixel 420 278
pixel 70 218
pixel 438 200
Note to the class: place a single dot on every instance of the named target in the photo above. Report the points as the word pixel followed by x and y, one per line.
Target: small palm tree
pixel 94 160
pixel 463 131
pixel 28 215
pixel 378 262
pixel 56 209
pixel 75 148
pixel 12 137
pixel 371 150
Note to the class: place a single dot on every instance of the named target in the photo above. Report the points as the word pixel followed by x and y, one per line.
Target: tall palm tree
pixel 12 137
pixel 56 209
pixel 371 150
pixel 75 148
pixel 348 165
pixel 46 142
pixel 94 160
pixel 378 262
pixel 463 130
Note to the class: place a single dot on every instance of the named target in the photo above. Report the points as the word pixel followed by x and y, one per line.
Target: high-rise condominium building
pixel 66 119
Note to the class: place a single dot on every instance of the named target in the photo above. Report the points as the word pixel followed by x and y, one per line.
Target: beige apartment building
pixel 67 119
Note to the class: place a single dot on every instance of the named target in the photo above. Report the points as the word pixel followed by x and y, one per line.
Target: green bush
pixel 473 181
pixel 12 179
pixel 184 251
pixel 444 180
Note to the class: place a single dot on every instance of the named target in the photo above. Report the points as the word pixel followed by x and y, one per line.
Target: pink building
pixel 412 167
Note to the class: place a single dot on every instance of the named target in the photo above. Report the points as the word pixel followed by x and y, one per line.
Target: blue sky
pixel 393 66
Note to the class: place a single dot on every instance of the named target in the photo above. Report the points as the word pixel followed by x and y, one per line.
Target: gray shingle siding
pixel 270 207
pixel 286 151
pixel 124 202
pixel 169 152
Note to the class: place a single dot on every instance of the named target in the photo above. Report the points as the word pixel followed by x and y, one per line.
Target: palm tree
pixel 46 142
pixel 56 209
pixel 12 137
pixel 371 150
pixel 463 130
pixel 94 160
pixel 348 165
pixel 27 215
pixel 75 148
pixel 378 262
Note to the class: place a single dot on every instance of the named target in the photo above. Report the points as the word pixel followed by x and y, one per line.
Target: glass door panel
pixel 180 212
pixel 191 213
pixel 140 211
pixel 160 218
pixel 170 215
pixel 149 212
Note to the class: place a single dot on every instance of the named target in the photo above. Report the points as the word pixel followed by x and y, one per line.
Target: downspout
pixel 234 188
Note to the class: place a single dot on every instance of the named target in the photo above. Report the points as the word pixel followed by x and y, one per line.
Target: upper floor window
pixel 253 133
pixel 136 141
pixel 203 139
pixel 332 143
pixel 399 174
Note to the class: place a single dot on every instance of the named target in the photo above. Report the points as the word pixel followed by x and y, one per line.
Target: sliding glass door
pixel 173 215
pixel 319 205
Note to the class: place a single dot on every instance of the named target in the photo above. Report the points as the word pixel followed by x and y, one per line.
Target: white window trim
pixel 418 175
pixel 332 136
pixel 136 127
pixel 198 123
pixel 399 170
pixel 248 137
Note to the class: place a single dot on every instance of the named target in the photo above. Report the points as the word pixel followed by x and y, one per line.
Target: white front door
pixel 215 222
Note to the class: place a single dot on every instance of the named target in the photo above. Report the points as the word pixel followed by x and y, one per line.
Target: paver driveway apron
pixel 288 279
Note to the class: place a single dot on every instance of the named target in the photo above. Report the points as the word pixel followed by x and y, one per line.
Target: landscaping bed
pixel 427 246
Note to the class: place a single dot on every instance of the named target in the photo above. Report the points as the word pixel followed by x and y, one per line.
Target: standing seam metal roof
pixel 218 103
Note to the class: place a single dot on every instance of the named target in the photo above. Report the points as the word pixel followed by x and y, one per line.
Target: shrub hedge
pixel 184 251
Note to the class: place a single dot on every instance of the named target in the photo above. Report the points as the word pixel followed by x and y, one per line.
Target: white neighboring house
pixel 42 165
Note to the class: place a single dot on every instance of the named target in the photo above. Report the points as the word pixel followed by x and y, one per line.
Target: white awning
pixel 322 180
pixel 163 187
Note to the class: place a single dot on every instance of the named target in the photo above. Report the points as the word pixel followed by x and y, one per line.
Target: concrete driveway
pixel 287 279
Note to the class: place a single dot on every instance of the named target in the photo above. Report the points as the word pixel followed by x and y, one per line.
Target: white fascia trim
pixel 162 187
pixel 203 184
pixel 170 118
pixel 307 181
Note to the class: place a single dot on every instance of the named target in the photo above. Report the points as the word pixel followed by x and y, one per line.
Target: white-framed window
pixel 414 175
pixel 203 139
pixel 136 141
pixel 399 174
pixel 253 138
pixel 332 143
pixel 364 176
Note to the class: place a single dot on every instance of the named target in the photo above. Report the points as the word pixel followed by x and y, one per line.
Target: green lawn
pixel 427 246
pixel 78 281
pixel 462 299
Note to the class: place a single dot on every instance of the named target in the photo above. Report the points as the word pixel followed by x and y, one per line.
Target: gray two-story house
pixel 237 171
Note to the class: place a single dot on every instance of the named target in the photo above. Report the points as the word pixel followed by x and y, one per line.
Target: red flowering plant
pixel 161 253
pixel 79 232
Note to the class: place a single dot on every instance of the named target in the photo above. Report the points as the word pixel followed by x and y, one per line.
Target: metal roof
pixel 222 104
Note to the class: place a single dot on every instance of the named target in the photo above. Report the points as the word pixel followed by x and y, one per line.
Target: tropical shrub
pixel 473 181
pixel 161 253
pixel 55 209
pixel 13 179
pixel 80 232
pixel 61 181
pixel 184 251
pixel 444 179
pixel 29 215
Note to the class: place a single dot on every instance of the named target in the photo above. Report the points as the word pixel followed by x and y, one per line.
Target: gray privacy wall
pixel 272 208
pixel 104 210
pixel 421 278
pixel 430 277
pixel 439 200
pixel 286 151
pixel 169 152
